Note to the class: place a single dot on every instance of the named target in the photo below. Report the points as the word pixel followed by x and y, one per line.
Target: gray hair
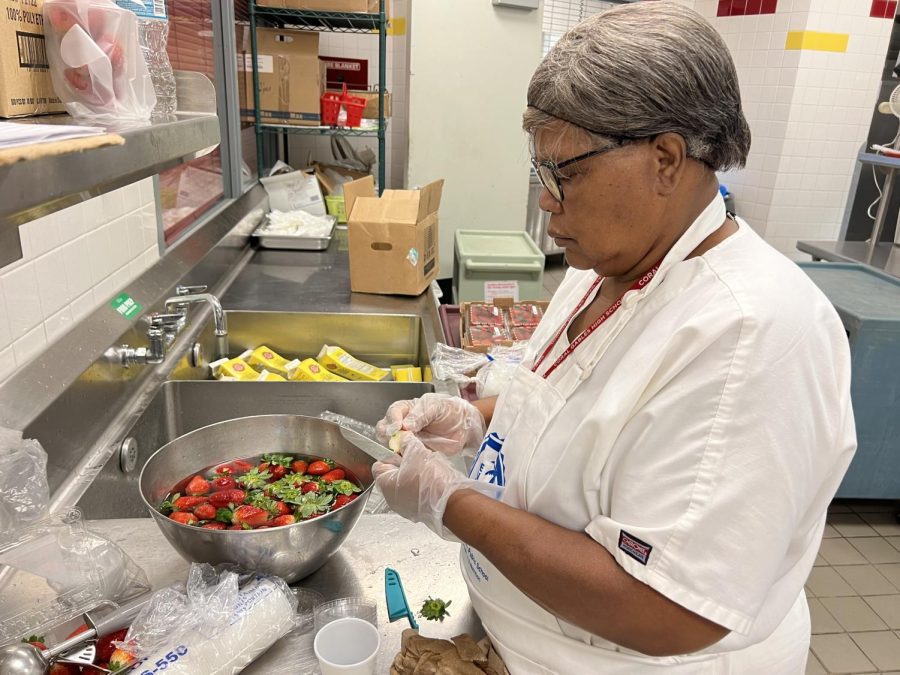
pixel 642 69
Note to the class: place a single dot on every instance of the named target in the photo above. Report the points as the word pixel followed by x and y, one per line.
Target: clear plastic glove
pixel 420 487
pixel 445 424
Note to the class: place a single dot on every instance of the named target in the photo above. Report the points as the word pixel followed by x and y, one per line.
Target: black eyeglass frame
pixel 554 168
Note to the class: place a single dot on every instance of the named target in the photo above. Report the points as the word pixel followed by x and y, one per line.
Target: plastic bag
pixel 96 63
pixel 216 624
pixel 24 492
pixel 456 365
pixel 493 377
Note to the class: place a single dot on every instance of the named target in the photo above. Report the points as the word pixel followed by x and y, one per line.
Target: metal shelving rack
pixel 338 22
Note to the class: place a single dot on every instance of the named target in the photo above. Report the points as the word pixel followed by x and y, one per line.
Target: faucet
pixel 164 328
pixel 189 295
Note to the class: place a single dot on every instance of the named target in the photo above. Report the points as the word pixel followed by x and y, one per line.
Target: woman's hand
pixel 420 484
pixel 445 424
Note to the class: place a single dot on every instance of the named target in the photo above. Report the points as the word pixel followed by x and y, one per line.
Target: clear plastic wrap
pixel 217 623
pixel 456 365
pixel 24 492
pixel 96 63
pixel 120 577
pixel 493 377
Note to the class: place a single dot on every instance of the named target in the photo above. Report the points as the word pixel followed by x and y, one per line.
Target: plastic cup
pixel 347 646
pixel 344 608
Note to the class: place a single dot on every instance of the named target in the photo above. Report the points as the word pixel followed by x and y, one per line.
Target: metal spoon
pixel 26 659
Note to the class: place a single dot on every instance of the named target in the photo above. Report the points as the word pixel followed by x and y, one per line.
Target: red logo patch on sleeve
pixel 637 549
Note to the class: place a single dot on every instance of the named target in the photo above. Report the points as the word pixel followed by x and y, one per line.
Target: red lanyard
pixel 640 283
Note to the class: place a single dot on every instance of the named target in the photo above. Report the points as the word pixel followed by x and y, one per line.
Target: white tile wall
pixel 74 260
pixel 808 111
pixel 303 148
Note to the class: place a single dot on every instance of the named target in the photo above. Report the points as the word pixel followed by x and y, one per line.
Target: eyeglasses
pixel 548 171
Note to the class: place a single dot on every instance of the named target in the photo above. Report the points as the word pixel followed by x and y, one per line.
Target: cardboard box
pixel 370 112
pixel 339 70
pixel 367 6
pixel 25 84
pixel 392 239
pixel 289 79
pixel 503 304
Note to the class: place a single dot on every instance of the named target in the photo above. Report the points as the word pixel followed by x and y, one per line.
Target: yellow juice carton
pixel 340 362
pixel 309 370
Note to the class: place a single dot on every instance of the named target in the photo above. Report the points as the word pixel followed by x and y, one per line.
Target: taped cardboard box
pixel 25 84
pixel 367 6
pixel 392 239
pixel 290 84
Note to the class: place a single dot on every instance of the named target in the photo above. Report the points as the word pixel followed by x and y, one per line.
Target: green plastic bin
pixel 496 263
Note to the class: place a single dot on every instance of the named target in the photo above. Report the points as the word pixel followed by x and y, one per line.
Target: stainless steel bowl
pixel 291 552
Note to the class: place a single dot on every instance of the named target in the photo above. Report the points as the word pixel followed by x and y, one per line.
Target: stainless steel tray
pixel 292 241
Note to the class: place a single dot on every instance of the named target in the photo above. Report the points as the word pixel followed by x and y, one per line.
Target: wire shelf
pixel 316 131
pixel 337 22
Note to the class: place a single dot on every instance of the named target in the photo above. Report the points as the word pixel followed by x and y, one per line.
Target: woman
pixel 652 488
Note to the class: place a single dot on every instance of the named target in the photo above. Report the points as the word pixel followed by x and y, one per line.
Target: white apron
pixel 530 639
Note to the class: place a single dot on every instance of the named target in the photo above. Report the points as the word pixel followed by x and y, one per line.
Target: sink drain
pixel 128 455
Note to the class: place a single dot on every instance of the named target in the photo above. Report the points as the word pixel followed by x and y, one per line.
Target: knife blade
pixel 373 449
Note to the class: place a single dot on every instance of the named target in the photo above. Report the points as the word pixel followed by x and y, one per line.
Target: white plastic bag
pixel 295 191
pixel 96 62
pixel 212 626
pixel 24 492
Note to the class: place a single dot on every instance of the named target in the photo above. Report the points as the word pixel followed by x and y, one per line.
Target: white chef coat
pixel 708 440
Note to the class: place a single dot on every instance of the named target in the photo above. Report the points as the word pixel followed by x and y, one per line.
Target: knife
pixel 373 449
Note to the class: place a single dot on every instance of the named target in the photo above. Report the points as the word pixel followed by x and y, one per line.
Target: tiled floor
pixel 854 588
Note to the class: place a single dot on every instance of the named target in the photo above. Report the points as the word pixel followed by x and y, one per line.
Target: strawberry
pixel 234 467
pixel 263 466
pixel 286 519
pixel 315 514
pixel 184 517
pixel 299 466
pixel 105 647
pixel 120 659
pixel 318 468
pixel 277 472
pixel 36 641
pixel 339 501
pixel 282 508
pixel 198 485
pixel 63 669
pixel 333 475
pixel 188 503
pixel 83 627
pixel 205 511
pixel 222 483
pixel 214 525
pixel 241 465
pixel 223 498
pixel 309 487
pixel 235 527
pixel 249 515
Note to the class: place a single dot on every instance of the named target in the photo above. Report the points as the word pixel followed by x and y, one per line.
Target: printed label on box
pixel 147 9
pixel 501 289
pixel 265 62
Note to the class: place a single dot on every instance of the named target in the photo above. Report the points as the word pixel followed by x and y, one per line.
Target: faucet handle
pixel 159 320
pixel 190 290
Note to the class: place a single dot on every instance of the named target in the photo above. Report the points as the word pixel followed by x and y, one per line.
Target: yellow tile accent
pixel 820 42
pixel 398 26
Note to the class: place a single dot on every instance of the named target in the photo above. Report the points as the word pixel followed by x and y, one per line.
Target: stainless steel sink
pixel 182 406
pixel 380 339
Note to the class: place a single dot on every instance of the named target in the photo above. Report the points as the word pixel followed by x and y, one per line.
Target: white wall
pixel 470 64
pixel 74 261
pixel 809 112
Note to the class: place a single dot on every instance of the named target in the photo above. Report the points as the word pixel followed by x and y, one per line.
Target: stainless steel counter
pixel 885 257
pixel 427 566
